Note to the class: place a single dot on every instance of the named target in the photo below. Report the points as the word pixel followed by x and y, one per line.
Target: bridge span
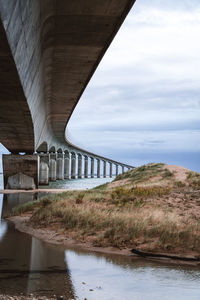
pixel 49 50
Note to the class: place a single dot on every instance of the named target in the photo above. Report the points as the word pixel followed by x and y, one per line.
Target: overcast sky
pixel 143 103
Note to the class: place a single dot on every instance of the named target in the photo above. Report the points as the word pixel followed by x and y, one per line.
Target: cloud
pixel 143 101
pixel 144 95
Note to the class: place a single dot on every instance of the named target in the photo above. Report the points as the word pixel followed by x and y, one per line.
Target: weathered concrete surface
pixel 60 168
pixel 48 52
pixel 53 49
pixel 16 127
pixel 20 164
pixel 79 166
pixel 52 170
pixel 86 167
pixel 73 166
pixel 43 173
pixel 104 169
pixel 92 167
pixel 20 181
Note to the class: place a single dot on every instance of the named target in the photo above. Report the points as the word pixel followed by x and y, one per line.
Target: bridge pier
pixel 122 169
pixel 104 169
pixel 73 165
pixel 98 168
pixel 44 169
pixel 60 166
pixel 66 165
pixel 86 167
pixel 117 170
pixel 20 171
pixel 79 166
pixel 110 170
pixel 92 167
pixel 52 167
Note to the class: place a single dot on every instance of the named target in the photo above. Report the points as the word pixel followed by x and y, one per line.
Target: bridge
pixel 49 50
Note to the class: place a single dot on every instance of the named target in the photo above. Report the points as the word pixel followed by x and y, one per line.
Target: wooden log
pixel 156 255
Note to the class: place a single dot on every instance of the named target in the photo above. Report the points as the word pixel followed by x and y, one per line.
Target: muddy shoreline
pixel 52 191
pixel 55 238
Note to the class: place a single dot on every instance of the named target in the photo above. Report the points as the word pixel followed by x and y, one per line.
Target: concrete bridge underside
pixel 49 50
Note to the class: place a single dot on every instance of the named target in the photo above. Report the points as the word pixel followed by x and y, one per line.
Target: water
pixel 1 181
pixel 28 265
pixel 77 184
pixel 72 184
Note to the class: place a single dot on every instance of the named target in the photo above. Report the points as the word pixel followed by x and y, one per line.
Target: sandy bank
pixel 55 238
pixel 53 191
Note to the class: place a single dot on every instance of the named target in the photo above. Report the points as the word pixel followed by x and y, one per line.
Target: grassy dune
pixel 151 210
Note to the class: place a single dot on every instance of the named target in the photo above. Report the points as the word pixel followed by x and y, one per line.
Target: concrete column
pixel 110 170
pixel 129 169
pixel 52 167
pixel 104 169
pixel 66 166
pixel 44 174
pixel 44 169
pixel 117 170
pixel 92 167
pixel 73 166
pixel 98 168
pixel 60 166
pixel 79 166
pixel 122 169
pixel 86 167
pixel 20 171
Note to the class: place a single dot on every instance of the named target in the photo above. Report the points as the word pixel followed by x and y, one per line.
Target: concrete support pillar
pixel 66 166
pixel 60 166
pixel 20 171
pixel 117 170
pixel 129 169
pixel 52 167
pixel 122 169
pixel 73 166
pixel 98 168
pixel 79 166
pixel 44 169
pixel 110 170
pixel 92 167
pixel 104 169
pixel 86 167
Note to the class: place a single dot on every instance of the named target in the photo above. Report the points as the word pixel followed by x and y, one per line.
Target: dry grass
pixel 146 173
pixel 120 217
pixel 139 214
pixel 194 179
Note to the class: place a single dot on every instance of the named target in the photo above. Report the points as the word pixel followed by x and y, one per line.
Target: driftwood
pixel 148 254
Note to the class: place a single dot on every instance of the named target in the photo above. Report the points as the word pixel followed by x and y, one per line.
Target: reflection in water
pixel 1 181
pixel 13 200
pixel 3 224
pixel 28 265
pixel 48 259
pixel 118 277
pixel 47 272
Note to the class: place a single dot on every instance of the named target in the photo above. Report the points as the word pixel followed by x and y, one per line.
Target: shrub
pixel 121 196
pixel 146 192
pixel 79 197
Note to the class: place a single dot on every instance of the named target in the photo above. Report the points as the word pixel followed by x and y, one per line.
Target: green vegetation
pixel 145 173
pixel 120 217
pixel 194 179
pixel 101 187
